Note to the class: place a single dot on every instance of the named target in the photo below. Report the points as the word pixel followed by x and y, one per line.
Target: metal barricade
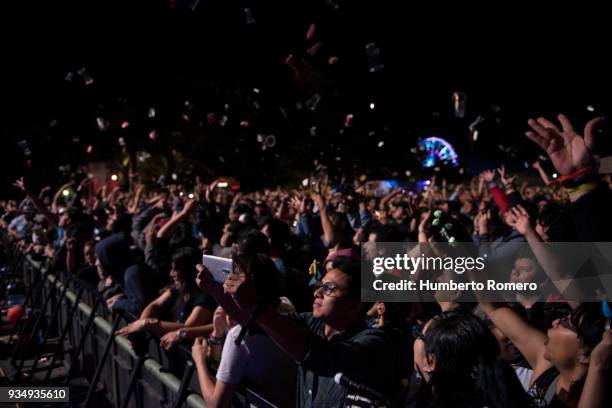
pixel 87 347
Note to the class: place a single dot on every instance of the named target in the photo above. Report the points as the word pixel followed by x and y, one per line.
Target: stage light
pixel 372 106
pixel 66 193
pixel 114 177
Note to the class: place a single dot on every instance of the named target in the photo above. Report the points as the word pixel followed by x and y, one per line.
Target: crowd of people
pixel 290 320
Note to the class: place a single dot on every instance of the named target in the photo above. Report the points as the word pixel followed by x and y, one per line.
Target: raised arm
pixel 326 224
pixel 551 264
pixel 527 339
pixel 40 206
pixel 573 156
pixel 597 383
pixel 168 229
pixel 537 166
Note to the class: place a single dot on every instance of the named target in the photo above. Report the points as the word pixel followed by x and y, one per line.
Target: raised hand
pixel 242 290
pixel 568 150
pixel 505 178
pixel 487 175
pixel 20 184
pixel 521 220
pixel 601 356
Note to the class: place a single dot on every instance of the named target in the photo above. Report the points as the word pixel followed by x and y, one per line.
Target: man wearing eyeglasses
pixel 332 339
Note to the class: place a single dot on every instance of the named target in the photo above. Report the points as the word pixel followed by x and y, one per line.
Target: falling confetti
pixel 374 62
pixel 102 123
pixel 312 102
pixel 249 16
pixel 310 32
pixel 459 99
pixel 348 120
pixel 85 75
pixel 25 149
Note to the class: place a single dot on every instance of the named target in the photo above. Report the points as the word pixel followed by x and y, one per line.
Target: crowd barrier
pixel 70 316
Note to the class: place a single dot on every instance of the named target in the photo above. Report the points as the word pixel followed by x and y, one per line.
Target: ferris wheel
pixel 435 151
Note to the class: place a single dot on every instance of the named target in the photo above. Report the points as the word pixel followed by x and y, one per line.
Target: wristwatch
pixel 181 333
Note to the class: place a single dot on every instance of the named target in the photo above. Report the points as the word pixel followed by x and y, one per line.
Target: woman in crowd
pixel 255 358
pixel 182 311
pixel 457 356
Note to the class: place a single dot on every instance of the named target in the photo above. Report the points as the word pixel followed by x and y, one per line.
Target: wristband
pixel 578 177
pixel 216 341
pixel 577 192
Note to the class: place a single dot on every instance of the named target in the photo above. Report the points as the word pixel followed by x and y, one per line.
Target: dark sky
pixel 526 61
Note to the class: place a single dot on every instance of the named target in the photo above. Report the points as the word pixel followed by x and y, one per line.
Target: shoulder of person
pixel 305 319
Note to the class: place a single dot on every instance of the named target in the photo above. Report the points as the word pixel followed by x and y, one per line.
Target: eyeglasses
pixel 328 287
pixel 567 323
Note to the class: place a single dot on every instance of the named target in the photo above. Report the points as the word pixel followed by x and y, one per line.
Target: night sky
pixel 144 54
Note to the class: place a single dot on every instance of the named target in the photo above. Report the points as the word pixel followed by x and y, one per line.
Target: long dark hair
pixel 184 261
pixel 589 321
pixel 468 372
pixel 264 274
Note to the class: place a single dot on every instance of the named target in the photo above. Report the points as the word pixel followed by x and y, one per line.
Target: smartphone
pixel 220 268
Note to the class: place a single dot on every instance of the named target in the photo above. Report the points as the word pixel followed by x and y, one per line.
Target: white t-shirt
pixel 258 360
pixel 524 375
